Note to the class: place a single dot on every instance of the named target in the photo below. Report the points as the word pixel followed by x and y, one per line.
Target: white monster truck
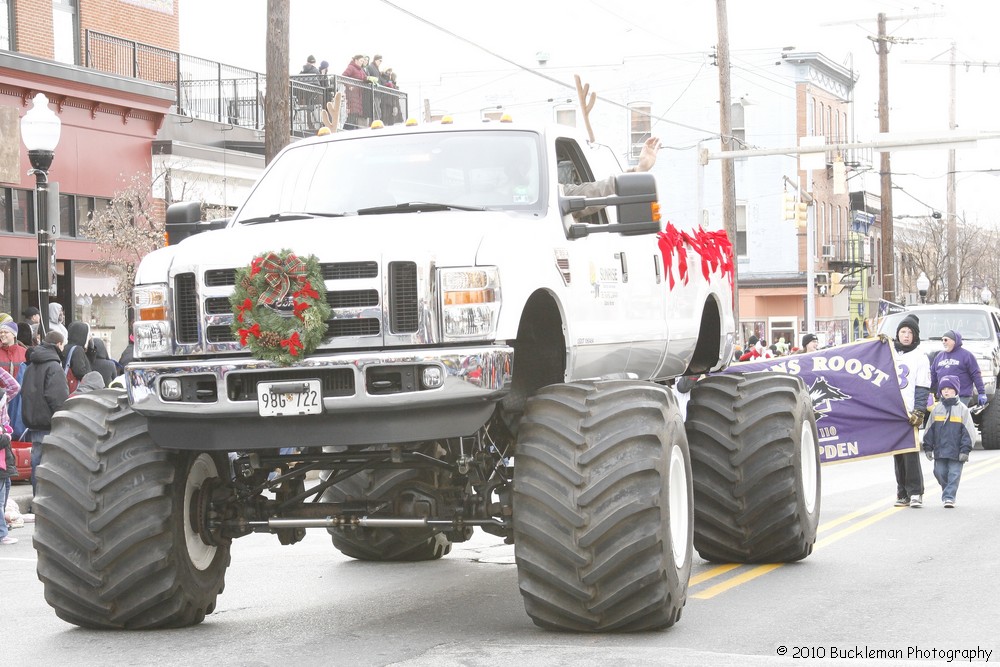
pixel 444 339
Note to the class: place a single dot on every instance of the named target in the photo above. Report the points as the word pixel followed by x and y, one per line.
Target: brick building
pixel 109 127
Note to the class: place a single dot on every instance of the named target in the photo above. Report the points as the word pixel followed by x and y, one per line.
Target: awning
pixel 89 279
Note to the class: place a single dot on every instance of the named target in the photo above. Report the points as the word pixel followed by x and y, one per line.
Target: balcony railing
pixel 854 251
pixel 223 93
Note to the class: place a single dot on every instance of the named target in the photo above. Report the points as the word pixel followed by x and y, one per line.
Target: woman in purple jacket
pixel 956 360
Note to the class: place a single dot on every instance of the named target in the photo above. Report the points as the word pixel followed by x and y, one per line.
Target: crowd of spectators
pixel 365 85
pixel 38 374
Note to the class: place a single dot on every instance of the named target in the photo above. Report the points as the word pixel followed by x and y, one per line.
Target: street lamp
pixel 986 295
pixel 923 284
pixel 40 129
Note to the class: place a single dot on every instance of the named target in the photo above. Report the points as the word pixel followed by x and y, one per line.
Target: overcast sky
pixel 425 39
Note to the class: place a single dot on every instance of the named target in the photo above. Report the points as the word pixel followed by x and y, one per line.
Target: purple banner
pixel 855 395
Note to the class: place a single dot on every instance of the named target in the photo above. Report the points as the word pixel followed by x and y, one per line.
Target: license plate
pixel 284 399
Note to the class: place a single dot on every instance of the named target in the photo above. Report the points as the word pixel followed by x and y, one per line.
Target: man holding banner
pixel 859 408
pixel 914 372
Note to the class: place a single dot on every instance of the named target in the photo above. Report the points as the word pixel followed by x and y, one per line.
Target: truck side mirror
pixel 184 220
pixel 641 186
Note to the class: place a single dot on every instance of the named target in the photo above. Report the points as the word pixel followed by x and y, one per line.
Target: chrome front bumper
pixel 470 375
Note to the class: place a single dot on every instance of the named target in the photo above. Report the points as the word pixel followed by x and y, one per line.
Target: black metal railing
pixel 227 94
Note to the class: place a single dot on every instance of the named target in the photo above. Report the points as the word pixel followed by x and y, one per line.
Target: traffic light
pixel 836 283
pixel 801 213
pixel 794 210
pixel 788 206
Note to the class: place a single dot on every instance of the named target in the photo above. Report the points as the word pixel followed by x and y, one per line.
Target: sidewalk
pixel 21 493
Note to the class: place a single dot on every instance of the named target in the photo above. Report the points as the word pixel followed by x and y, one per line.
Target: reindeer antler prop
pixel 331 114
pixel 587 100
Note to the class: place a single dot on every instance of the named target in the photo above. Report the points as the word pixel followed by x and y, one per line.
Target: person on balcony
pixel 356 116
pixel 310 66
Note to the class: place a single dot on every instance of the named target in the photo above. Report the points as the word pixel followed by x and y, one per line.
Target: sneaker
pixel 8 540
pixel 916 501
pixel 949 504
pixel 902 502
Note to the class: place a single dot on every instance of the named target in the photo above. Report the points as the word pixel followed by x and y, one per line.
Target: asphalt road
pixel 910 583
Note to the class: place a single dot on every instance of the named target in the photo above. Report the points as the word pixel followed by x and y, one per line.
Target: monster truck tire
pixel 602 507
pixel 115 546
pixel 384 544
pixel 756 468
pixel 989 425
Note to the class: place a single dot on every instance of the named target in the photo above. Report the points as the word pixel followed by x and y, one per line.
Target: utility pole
pixel 888 255
pixel 950 190
pixel 277 114
pixel 950 186
pixel 726 132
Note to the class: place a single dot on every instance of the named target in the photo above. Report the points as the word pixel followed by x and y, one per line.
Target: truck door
pixel 619 322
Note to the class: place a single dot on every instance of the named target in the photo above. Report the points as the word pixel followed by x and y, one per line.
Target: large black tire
pixel 115 547
pixel 602 507
pixel 404 488
pixel 989 425
pixel 756 468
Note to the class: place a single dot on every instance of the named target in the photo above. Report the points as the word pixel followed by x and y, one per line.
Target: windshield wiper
pixel 282 217
pixel 417 206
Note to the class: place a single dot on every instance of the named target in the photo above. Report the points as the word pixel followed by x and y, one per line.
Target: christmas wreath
pixel 279 306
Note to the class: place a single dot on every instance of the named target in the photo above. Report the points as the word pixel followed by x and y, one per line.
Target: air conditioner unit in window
pixel 827 251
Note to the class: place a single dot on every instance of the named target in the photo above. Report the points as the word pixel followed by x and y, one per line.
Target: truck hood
pixel 456 237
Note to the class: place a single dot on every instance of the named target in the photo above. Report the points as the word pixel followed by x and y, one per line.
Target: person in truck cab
pixel 604 187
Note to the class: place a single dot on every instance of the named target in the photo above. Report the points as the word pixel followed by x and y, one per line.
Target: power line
pixel 551 79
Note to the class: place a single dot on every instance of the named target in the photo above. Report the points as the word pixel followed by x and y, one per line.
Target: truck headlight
pixel 470 302
pixel 151 330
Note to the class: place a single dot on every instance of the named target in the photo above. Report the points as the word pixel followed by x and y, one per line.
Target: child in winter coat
pixel 948 438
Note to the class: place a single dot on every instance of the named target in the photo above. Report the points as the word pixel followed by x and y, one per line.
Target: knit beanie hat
pixel 10 324
pixel 949 381
pixel 950 333
pixel 912 323
pixel 808 338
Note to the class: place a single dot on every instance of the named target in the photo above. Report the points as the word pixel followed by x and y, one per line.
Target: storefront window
pixel 6 288
pixel 24 219
pixel 6 224
pixel 67 215
pixel 6 38
pixel 84 206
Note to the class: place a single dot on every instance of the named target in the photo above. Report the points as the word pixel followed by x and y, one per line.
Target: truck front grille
pixel 404 313
pixel 186 318
pixel 358 311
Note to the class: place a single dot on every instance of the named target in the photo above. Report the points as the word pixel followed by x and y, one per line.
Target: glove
pixel 4 441
pixel 916 418
pixel 963 457
pixel 882 338
pixel 982 399
pixel 929 454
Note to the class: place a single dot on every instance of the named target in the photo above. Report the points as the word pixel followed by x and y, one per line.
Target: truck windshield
pixel 971 324
pixel 408 173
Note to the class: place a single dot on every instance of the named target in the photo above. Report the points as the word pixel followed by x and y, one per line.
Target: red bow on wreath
pixel 279 274
pixel 292 344
pixel 243 308
pixel 244 333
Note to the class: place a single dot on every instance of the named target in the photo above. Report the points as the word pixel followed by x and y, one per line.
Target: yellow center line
pixel 742 578
pixel 711 574
pixel 850 516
